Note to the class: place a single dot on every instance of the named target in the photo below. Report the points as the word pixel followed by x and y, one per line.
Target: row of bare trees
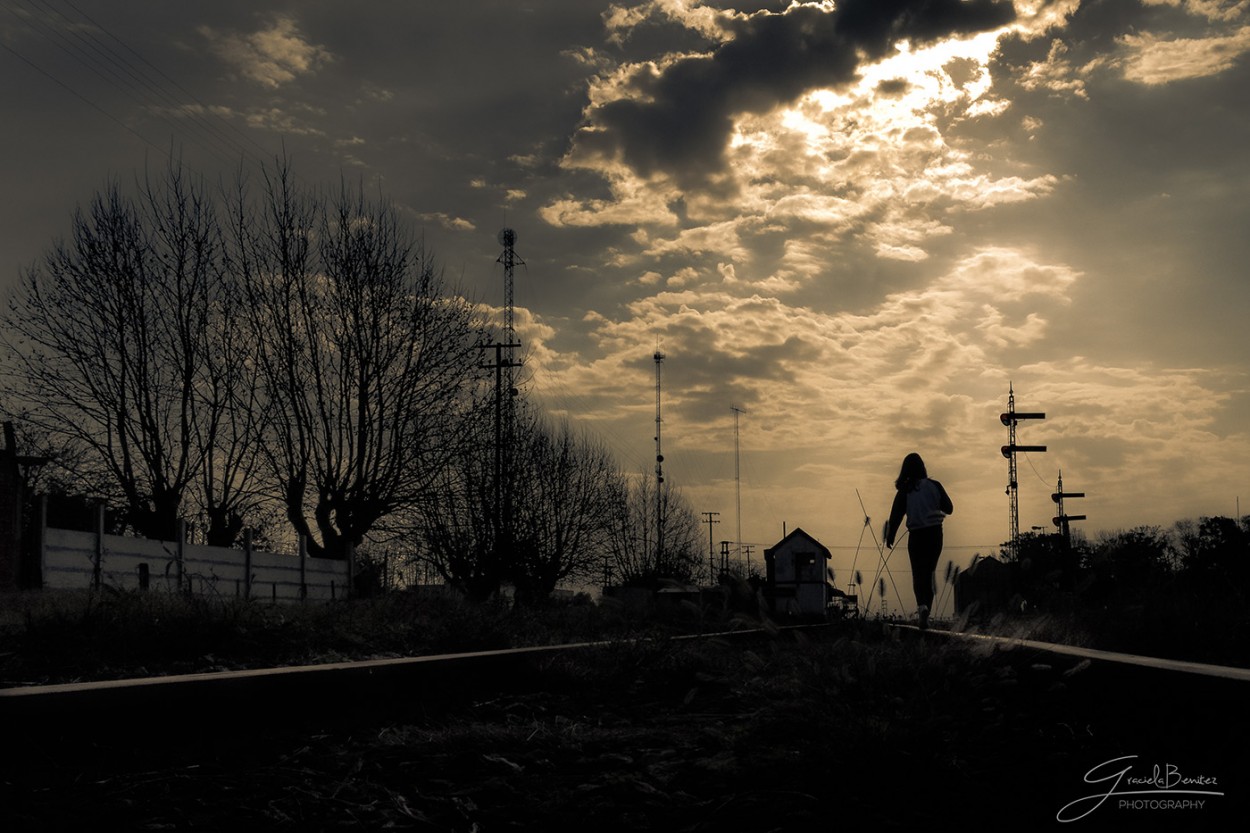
pixel 568 512
pixel 276 350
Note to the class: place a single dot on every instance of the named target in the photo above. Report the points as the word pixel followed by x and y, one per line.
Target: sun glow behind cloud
pixel 774 309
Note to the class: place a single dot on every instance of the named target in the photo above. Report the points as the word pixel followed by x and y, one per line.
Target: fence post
pixel 351 570
pixel 41 545
pixel 303 567
pixel 182 539
pixel 98 562
pixel 247 563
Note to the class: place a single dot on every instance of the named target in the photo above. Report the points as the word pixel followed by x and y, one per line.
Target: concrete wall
pixel 85 559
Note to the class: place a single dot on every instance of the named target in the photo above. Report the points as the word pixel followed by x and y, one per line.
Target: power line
pixel 84 99
pixel 53 35
pixel 1029 460
pixel 94 55
pixel 244 136
pixel 139 84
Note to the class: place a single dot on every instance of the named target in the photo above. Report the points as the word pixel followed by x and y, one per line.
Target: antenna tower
pixel 509 259
pixel 659 472
pixel 1010 418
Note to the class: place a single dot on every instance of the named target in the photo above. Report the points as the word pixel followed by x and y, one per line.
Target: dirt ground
pixel 784 735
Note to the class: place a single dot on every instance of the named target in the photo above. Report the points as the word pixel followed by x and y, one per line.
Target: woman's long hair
pixel 912 472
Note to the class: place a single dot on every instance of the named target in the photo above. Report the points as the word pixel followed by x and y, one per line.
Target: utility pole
pixel 505 360
pixel 748 548
pixel 503 519
pixel 724 556
pixel 1009 419
pixel 710 518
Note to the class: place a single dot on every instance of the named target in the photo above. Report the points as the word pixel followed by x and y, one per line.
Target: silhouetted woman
pixel 926 505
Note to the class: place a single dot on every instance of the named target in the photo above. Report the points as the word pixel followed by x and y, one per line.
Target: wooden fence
pixel 71 559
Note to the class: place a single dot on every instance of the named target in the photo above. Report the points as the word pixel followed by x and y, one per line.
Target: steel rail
pixel 1093 654
pixel 305 673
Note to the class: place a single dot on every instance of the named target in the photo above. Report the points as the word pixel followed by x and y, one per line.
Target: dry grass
pixel 69 636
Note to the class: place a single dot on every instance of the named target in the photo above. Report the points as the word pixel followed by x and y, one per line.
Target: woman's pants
pixel 924 548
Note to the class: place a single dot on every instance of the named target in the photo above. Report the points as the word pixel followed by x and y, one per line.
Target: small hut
pixel 797 567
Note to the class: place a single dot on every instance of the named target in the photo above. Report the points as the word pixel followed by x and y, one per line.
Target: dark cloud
pixel 681 120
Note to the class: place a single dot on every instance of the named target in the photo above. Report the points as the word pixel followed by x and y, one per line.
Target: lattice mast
pixel 659 472
pixel 510 260
pixel 505 394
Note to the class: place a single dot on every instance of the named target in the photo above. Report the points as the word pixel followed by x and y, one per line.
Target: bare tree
pixel 115 345
pixel 546 524
pixel 563 486
pixel 367 360
pixel 633 532
pixel 457 527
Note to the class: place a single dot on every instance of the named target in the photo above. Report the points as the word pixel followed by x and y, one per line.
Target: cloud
pixel 1214 10
pixel 621 21
pixel 823 374
pixel 675 117
pixel 1152 60
pixel 292 121
pixel 1146 424
pixel 271 57
pixel 1056 73
pixel 447 221
pixel 865 164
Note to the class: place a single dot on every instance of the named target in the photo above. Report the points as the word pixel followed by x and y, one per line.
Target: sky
pixel 857 222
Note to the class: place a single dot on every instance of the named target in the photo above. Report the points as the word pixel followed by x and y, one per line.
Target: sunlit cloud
pixel 620 21
pixel 447 221
pixel 1056 73
pixel 860 158
pixel 1150 59
pixel 1214 10
pixel 290 120
pixel 928 341
pixel 675 116
pixel 1148 423
pixel 271 57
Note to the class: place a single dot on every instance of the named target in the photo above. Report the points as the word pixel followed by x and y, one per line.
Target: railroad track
pixel 1199 669
pixel 146 714
pixel 1150 709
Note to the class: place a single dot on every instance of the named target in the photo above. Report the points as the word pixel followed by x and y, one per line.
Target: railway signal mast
pixel 1010 419
pixel 1061 520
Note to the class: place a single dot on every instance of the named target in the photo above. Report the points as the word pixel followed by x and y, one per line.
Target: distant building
pixel 796 572
pixel 985 588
